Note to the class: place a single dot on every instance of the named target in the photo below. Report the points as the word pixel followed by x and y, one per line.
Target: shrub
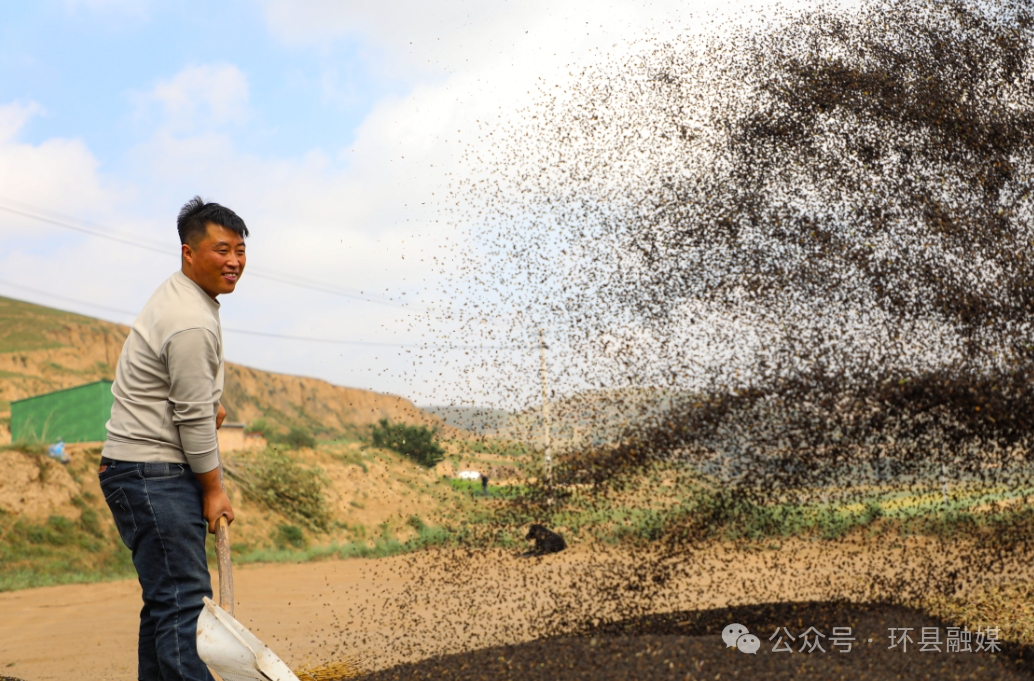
pixel 290 534
pixel 416 442
pixel 277 481
pixel 873 512
pixel 261 427
pixel 298 438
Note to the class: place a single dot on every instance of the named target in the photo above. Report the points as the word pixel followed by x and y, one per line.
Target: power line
pixel 425 346
pixel 84 230
pixel 66 298
pixel 260 272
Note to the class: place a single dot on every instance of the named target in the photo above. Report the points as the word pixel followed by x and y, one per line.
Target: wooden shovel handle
pixel 222 552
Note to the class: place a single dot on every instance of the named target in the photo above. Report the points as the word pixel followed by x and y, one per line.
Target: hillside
pixel 43 349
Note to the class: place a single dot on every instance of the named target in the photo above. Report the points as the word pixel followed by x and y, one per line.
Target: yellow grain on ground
pixel 1009 607
pixel 335 671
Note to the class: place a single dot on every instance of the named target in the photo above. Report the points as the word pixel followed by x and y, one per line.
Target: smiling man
pixel 160 471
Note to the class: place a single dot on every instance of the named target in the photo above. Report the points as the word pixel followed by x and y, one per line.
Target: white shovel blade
pixel 233 652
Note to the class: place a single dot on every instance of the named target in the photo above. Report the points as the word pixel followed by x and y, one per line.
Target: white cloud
pixel 200 97
pixel 472 66
pixel 395 23
pixel 13 118
pixel 59 173
pixel 364 217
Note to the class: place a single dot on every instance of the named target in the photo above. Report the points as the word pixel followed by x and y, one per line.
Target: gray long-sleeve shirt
pixel 169 381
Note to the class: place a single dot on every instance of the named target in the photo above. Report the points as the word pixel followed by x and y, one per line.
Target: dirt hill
pixel 43 349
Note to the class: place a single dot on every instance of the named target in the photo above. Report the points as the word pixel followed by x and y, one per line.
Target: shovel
pixel 223 643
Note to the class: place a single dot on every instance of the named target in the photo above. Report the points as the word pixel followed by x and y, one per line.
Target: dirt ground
pixel 368 490
pixel 418 609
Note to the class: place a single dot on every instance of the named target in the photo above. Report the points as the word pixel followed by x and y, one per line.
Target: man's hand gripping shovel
pixel 230 650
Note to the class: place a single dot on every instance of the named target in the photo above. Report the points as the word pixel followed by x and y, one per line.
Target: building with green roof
pixel 74 415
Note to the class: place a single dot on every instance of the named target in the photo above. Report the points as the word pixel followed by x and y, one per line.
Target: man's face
pixel 216 261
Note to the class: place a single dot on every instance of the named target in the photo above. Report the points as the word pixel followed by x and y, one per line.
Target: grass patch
pixel 726 515
pixel 497 447
pixel 697 510
pixel 297 437
pixel 379 547
pixel 473 488
pixel 290 535
pixel 352 457
pixel 277 481
pixel 60 551
pixel 25 448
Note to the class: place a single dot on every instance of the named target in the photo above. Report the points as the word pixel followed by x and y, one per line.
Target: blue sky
pixel 335 129
pixel 89 69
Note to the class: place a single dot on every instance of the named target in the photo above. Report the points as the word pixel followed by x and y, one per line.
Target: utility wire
pixel 66 298
pixel 262 333
pixel 259 272
pixel 372 343
pixel 84 230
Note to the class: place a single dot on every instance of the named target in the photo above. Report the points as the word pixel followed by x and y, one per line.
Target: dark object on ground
pixel 8 678
pixel 689 646
pixel 484 484
pixel 546 541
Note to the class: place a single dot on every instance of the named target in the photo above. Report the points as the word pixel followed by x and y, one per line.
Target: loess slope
pixel 43 349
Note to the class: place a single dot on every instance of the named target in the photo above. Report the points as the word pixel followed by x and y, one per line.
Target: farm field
pixel 403 609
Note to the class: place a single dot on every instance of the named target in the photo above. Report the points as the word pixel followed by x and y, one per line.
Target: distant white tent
pixel 468 475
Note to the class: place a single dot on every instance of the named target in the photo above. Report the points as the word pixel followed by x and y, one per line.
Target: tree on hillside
pixel 419 443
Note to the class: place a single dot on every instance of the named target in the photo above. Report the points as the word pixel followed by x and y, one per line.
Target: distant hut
pixel 77 414
pixel 233 438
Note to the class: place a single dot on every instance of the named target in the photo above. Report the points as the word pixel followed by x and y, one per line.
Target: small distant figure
pixel 546 541
pixel 57 451
pixel 484 484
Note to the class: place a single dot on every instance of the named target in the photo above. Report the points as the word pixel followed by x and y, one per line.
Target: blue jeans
pixel 158 511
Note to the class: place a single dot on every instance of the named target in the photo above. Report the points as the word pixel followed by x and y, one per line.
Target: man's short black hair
pixel 195 215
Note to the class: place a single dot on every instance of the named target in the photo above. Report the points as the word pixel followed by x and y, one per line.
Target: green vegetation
pixel 381 547
pixel 60 551
pixel 698 510
pixel 416 442
pixel 296 437
pixel 497 447
pixel 263 428
pixel 662 503
pixel 290 535
pixel 274 479
pixel 353 457
pixel 473 487
pixel 27 448
pixel 25 327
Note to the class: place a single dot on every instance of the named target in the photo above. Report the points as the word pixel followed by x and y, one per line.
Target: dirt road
pixel 407 608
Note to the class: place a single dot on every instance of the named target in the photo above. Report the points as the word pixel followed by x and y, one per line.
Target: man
pixel 160 470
